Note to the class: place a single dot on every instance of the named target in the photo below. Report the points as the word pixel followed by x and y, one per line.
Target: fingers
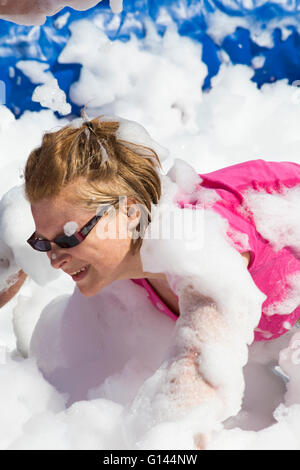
pixel 201 440
pixel 186 387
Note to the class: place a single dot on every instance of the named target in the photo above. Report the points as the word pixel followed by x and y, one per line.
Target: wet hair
pixel 106 167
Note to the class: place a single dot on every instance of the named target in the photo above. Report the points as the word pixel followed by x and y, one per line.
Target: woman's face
pixel 105 252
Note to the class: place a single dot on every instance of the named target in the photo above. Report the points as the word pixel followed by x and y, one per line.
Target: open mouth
pixel 80 274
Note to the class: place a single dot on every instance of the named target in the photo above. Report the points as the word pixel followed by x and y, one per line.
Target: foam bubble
pixel 70 228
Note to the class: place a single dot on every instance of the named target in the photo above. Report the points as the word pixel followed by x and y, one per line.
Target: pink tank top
pixel 269 269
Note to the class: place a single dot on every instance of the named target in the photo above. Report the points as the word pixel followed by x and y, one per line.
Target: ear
pixel 133 213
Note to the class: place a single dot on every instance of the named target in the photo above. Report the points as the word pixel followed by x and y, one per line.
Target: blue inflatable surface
pixel 45 43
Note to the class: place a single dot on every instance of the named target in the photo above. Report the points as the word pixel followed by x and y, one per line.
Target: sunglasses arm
pixel 79 236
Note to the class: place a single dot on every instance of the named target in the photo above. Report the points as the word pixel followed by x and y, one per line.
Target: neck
pixel 134 269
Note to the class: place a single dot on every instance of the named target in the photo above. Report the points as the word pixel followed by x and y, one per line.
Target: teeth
pixel 76 272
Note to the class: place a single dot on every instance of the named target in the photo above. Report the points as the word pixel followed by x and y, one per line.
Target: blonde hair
pixel 110 167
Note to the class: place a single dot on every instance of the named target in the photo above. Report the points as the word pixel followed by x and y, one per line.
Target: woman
pixel 74 181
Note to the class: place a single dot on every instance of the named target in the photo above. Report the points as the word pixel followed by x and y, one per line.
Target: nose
pixel 58 259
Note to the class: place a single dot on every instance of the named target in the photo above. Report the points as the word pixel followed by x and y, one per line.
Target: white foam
pixel 51 96
pixel 276 216
pixel 48 94
pixel 34 70
pixel 16 226
pixel 70 228
pixel 110 357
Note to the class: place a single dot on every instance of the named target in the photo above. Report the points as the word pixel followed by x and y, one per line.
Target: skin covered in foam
pixel 201 380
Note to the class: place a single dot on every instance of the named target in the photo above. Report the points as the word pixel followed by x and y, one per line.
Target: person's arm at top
pixel 7 294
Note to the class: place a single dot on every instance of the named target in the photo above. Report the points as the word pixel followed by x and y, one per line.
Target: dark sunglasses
pixel 65 241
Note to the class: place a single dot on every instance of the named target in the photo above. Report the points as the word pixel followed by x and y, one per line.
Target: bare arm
pixel 201 381
pixel 7 295
pixel 208 339
pixel 187 381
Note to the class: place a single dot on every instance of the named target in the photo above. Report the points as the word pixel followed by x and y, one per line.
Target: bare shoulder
pixel 246 256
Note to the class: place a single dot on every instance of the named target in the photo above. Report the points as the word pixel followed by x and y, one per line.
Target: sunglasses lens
pixel 40 245
pixel 66 242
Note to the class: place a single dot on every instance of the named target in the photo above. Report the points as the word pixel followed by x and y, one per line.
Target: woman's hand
pixel 189 389
pixel 8 294
pixel 173 394
pixel 185 385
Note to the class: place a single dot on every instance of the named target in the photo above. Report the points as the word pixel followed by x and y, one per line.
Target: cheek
pixel 88 248
pixel 111 254
pixel 113 229
pixel 102 251
pixel 93 253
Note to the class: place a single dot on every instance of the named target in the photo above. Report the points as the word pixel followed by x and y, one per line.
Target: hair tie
pixel 89 128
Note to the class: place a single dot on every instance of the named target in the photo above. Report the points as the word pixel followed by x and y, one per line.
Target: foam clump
pixel 135 133
pixel 173 105
pixel 290 301
pixel 37 418
pixel 48 93
pixel 16 226
pixel 36 71
pixel 276 216
pixel 70 228
pixel 51 96
pixel 25 395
